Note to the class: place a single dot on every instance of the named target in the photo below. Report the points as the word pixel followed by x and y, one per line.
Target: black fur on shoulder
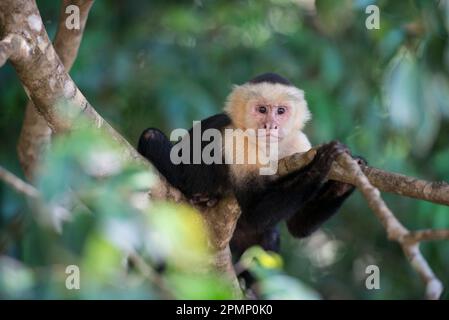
pixel 270 78
pixel 202 183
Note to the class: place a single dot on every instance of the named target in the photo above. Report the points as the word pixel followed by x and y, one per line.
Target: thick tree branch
pixel 60 102
pixel 220 222
pixel 44 78
pixel 36 134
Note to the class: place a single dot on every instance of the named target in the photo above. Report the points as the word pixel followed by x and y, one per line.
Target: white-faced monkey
pixel 305 198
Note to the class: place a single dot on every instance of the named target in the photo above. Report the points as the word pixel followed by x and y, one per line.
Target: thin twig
pixel 427 235
pixel 432 191
pixel 395 230
pixel 18 184
pixel 369 181
pixel 436 192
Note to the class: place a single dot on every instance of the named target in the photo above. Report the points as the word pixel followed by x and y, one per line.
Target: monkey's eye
pixel 281 110
pixel 262 109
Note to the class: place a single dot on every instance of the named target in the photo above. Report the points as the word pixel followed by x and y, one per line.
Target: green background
pixel 384 93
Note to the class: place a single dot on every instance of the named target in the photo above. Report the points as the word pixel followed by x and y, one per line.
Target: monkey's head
pixel 269 102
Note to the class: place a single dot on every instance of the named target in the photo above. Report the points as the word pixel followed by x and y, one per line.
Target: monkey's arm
pixel 324 205
pixel 317 210
pixel 264 207
pixel 245 236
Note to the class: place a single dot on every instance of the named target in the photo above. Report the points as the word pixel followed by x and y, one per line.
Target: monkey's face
pixel 269 118
pixel 279 110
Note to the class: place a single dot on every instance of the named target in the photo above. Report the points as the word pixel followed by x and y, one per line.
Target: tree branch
pixel 220 223
pixel 18 184
pixel 13 46
pixel 45 80
pixel 426 235
pixel 395 230
pixel 67 42
pixel 35 135
pixel 437 192
pixel 369 181
pixel 60 102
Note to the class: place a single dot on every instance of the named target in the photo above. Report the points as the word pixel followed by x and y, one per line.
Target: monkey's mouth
pixel 271 135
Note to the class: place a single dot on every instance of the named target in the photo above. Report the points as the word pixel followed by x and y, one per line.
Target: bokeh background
pixel 384 93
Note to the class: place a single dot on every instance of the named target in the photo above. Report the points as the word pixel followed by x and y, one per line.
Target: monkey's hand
pixel 360 160
pixel 337 188
pixel 326 154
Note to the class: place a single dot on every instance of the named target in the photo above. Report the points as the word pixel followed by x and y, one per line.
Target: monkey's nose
pixel 270 126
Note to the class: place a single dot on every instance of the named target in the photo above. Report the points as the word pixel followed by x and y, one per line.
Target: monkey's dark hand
pixel 360 160
pixel 325 156
pixel 337 188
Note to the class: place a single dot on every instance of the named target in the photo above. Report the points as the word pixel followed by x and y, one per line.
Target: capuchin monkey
pixel 305 199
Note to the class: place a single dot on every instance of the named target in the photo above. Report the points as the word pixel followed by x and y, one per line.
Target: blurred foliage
pixel 385 93
pixel 265 270
pixel 111 218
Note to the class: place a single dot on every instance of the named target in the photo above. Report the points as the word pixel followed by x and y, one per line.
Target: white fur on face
pixel 243 97
pixel 239 106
